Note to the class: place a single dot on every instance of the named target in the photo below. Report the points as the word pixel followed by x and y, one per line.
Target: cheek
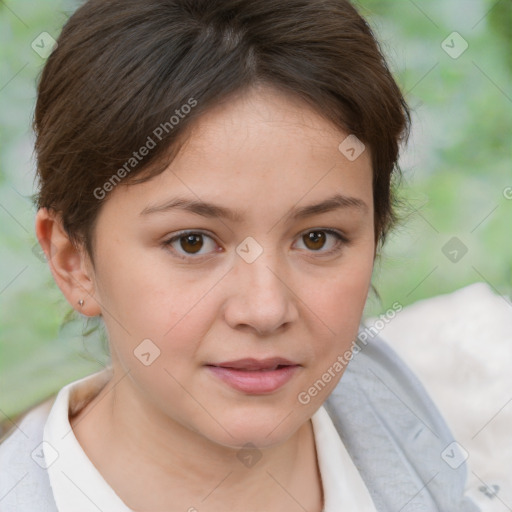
pixel 338 304
pixel 137 285
pixel 144 299
pixel 337 308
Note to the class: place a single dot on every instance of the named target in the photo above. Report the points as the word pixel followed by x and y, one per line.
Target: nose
pixel 262 298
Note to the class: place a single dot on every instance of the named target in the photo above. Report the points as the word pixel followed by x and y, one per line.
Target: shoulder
pixel 24 483
pixel 395 434
pixel 24 479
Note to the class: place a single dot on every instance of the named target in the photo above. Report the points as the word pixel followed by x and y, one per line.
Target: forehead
pixel 260 149
pixel 263 113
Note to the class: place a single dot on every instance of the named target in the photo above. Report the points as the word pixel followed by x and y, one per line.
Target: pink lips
pixel 255 376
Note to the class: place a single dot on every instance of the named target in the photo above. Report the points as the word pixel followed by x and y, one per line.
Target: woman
pixel 215 182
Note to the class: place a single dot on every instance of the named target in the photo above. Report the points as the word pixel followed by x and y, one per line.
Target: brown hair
pixel 126 71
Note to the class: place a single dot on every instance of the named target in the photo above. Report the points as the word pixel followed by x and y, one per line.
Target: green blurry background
pixel 457 177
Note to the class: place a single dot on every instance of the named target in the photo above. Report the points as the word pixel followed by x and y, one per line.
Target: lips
pixel 250 364
pixel 255 376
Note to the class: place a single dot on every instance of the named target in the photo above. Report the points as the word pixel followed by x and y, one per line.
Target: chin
pixel 263 430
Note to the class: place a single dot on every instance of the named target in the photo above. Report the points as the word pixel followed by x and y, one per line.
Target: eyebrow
pixel 206 209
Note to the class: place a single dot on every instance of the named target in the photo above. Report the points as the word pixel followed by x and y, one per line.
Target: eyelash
pixel 342 241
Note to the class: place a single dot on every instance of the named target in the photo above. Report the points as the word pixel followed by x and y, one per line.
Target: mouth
pixel 251 364
pixel 273 368
pixel 252 376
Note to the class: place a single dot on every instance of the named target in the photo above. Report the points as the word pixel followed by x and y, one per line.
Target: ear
pixel 70 265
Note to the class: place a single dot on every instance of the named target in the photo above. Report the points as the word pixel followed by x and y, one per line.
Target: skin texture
pixel 172 428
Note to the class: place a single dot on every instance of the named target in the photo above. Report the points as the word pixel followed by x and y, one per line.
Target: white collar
pixel 77 485
pixel 344 488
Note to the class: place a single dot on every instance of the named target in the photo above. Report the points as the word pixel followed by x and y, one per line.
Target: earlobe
pixel 68 263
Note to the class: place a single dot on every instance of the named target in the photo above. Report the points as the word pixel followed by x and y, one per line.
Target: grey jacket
pixel 395 435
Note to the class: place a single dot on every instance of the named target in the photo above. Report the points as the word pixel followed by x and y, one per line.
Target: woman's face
pixel 257 273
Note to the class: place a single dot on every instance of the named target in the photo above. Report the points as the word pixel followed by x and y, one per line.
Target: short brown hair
pixel 124 67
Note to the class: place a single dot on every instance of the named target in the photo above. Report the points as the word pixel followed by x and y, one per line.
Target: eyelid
pixel 168 241
pixel 342 240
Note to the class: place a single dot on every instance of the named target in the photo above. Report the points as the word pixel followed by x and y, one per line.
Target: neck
pixel 135 446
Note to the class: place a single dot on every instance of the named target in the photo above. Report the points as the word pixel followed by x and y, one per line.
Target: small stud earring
pixel 81 302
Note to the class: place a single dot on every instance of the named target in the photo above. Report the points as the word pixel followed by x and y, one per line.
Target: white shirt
pixel 79 487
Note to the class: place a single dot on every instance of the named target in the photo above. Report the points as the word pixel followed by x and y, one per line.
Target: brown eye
pixel 190 243
pixel 314 240
pixel 317 239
